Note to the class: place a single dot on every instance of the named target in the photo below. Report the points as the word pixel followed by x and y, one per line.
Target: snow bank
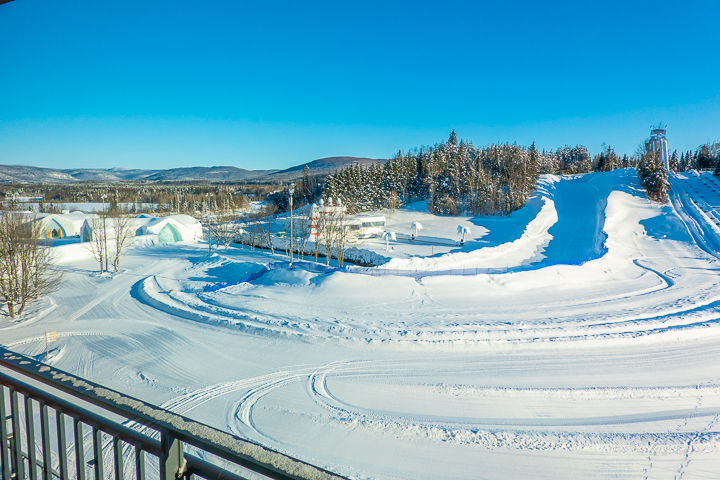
pixel 528 248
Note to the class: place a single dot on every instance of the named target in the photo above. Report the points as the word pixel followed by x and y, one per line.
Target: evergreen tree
pixel 703 157
pixel 674 162
pixel 653 176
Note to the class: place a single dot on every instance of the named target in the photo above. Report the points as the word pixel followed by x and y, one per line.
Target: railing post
pixel 45 432
pixel 118 454
pixel 16 444
pixel 172 460
pixel 79 450
pixel 97 449
pixel 30 426
pixel 139 463
pixel 62 444
pixel 4 457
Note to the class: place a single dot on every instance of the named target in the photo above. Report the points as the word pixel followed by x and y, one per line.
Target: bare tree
pixel 223 229
pixel 97 243
pixel 266 224
pixel 287 232
pixel 252 226
pixel 26 270
pixel 319 233
pixel 302 233
pixel 250 231
pixel 393 203
pixel 124 236
pixel 328 234
pixel 341 232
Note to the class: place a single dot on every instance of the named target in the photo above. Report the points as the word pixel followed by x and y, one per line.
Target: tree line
pixel 459 179
pixel 654 177
pixel 705 157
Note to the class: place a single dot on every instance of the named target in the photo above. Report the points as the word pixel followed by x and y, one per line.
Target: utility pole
pixel 104 196
pixel 292 190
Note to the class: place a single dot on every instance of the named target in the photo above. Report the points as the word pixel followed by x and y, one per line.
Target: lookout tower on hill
pixel 657 143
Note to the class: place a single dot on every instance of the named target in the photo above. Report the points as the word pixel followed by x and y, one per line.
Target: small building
pixel 171 229
pixel 366 226
pixel 86 231
pixel 360 226
pixel 174 228
pixel 62 225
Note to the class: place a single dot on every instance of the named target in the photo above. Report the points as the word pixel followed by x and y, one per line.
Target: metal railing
pixel 134 439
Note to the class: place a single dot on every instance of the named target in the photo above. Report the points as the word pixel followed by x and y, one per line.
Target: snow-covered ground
pixel 595 354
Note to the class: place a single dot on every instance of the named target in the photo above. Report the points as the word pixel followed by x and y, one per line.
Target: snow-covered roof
pixel 184 219
pixel 181 219
pixel 186 226
pixel 71 222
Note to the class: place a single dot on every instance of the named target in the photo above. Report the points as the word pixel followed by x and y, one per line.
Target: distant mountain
pixel 322 166
pixel 210 174
pixel 109 175
pixel 25 174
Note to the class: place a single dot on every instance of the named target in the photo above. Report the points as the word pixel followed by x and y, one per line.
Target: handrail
pixel 174 429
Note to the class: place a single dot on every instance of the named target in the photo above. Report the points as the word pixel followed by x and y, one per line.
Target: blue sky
pixel 259 85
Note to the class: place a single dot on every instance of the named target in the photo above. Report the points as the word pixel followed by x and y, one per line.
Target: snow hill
pixel 578 337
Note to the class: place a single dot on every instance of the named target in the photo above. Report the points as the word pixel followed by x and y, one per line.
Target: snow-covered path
pixel 608 368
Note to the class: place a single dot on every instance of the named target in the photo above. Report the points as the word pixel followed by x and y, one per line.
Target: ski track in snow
pixel 422 362
pixel 489 433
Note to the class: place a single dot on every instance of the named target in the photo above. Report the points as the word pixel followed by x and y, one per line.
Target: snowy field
pixel 594 354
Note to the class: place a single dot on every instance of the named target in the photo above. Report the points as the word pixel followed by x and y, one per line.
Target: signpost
pixel 49 337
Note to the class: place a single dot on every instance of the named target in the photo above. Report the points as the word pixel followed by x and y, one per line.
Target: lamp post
pixel 104 196
pixel 291 191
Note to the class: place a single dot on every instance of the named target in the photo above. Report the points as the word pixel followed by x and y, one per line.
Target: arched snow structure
pixel 174 228
pixel 169 234
pixel 56 225
pixel 53 229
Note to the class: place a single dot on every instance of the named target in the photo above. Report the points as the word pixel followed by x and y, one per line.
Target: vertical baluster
pixel 16 447
pixel 79 450
pixel 139 463
pixel 30 426
pixel 117 448
pixel 45 432
pixel 97 448
pixel 4 453
pixel 172 460
pixel 62 444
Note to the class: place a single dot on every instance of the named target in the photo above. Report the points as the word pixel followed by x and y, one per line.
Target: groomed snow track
pixel 606 367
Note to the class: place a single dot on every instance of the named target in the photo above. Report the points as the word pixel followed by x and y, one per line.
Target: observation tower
pixel 658 143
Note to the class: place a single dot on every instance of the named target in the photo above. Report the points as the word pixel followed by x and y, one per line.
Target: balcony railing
pixel 134 439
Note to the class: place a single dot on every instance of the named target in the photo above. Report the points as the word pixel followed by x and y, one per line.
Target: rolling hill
pixel 29 174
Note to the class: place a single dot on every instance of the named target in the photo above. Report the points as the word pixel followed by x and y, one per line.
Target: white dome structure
pixel 174 228
pixel 62 225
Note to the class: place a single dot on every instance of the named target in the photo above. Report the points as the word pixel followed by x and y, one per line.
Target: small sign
pixel 49 337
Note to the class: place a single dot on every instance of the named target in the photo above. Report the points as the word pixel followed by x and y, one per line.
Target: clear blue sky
pixel 160 84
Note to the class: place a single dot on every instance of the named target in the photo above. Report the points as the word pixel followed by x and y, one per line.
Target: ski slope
pixel 595 354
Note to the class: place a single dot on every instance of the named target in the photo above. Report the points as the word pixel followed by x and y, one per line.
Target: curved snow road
pixel 511 432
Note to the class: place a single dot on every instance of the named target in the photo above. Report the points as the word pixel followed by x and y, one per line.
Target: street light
pixel 104 196
pixel 291 191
